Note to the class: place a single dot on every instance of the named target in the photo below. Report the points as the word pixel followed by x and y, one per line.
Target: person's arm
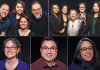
pixel 54 27
pixel 2 34
pixel 86 28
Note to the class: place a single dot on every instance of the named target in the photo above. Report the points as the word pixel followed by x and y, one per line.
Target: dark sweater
pixel 39 26
pixel 88 65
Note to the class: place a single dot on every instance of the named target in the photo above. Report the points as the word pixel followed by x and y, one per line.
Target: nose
pixel 9 49
pixel 49 50
pixel 87 50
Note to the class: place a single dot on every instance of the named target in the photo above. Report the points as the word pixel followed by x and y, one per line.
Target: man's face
pixel 82 8
pixel 4 10
pixel 36 10
pixel 49 50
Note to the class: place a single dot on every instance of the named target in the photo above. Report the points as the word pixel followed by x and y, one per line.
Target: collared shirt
pixel 40 64
pixel 4 25
pixel 83 18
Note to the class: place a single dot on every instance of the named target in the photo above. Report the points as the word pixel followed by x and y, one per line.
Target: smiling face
pixel 64 10
pixel 88 54
pixel 36 10
pixel 4 10
pixel 23 23
pixel 19 8
pixel 11 53
pixel 49 55
pixel 82 8
pixel 73 15
pixel 96 7
pixel 55 9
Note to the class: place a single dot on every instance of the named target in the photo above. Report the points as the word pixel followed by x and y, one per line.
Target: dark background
pixel 62 48
pixel 72 43
pixel 25 48
pixel 44 4
pixel 73 4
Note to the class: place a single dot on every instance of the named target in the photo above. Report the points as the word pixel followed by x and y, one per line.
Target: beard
pixel 38 16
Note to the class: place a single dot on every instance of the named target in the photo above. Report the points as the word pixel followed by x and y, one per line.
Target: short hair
pixel 22 3
pixel 77 15
pixel 14 41
pixel 48 39
pixel 35 3
pixel 4 4
pixel 23 16
pixel 77 56
pixel 83 4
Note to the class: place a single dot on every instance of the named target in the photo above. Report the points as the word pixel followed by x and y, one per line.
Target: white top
pixel 73 30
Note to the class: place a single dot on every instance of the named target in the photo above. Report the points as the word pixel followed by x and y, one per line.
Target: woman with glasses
pixel 12 48
pixel 75 25
pixel 55 28
pixel 93 22
pixel 86 57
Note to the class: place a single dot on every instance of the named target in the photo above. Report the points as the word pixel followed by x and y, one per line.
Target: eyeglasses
pixel 36 9
pixel 82 7
pixel 12 48
pixel 85 49
pixel 53 49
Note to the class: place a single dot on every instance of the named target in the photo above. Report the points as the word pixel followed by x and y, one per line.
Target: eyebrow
pixel 50 47
pixel 88 47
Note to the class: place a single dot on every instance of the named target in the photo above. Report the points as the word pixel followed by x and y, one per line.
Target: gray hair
pixel 77 15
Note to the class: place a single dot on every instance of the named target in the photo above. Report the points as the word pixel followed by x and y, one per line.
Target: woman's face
pixel 55 9
pixel 86 51
pixel 96 8
pixel 11 50
pixel 23 23
pixel 73 15
pixel 19 8
pixel 64 10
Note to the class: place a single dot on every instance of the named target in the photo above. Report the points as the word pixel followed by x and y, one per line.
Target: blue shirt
pixel 21 65
pixel 4 25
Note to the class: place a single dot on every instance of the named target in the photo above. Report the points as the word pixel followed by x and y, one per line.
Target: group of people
pixel 72 23
pixel 17 23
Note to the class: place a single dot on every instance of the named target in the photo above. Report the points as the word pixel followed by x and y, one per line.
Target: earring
pixel 17 54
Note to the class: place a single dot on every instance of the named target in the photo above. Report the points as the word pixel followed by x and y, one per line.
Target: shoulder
pixel 73 66
pixel 36 63
pixel 22 64
pixel 2 63
pixel 61 64
pixel 32 33
pixel 11 13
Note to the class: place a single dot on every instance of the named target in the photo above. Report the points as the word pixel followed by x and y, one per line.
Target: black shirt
pixel 39 26
pixel 16 33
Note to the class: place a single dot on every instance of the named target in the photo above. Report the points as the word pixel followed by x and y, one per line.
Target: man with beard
pixel 47 61
pixel 4 21
pixel 39 19
pixel 83 15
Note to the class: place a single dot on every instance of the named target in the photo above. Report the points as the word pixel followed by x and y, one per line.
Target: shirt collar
pixel 45 65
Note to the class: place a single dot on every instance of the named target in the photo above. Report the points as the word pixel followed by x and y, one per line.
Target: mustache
pixel 37 13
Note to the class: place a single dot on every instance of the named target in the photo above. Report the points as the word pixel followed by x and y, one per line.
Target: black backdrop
pixel 28 3
pixel 72 43
pixel 62 48
pixel 73 4
pixel 25 48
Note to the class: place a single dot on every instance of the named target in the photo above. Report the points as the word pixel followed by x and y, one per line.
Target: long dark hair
pixel 98 2
pixel 58 14
pixel 77 56
pixel 67 8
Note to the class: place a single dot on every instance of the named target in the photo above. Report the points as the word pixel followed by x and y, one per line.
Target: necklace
pixel 24 33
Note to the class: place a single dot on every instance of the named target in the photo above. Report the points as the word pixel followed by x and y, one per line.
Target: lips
pixel 49 55
pixel 9 53
pixel 88 56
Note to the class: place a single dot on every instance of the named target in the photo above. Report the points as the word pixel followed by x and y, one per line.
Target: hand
pixel 62 30
pixel 65 24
